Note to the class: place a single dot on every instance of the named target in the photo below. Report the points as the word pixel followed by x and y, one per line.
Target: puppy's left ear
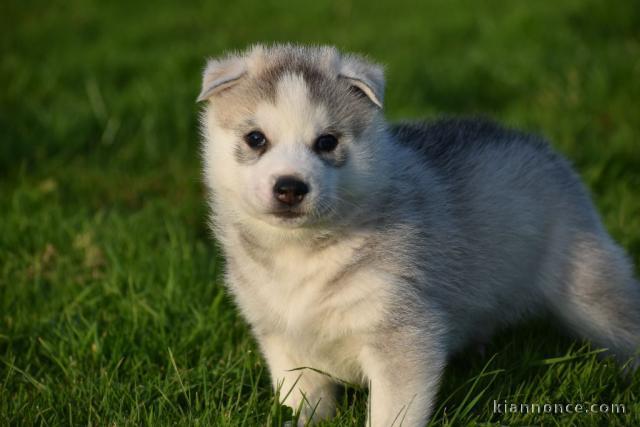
pixel 365 76
pixel 221 74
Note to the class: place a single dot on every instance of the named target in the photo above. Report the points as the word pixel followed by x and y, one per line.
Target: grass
pixel 112 309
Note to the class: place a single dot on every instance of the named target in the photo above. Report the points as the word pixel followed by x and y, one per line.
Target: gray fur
pixel 431 236
pixel 245 155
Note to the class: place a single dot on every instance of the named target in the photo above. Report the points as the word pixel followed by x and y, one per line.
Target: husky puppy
pixel 373 252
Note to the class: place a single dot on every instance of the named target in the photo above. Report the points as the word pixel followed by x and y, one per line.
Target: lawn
pixel 112 308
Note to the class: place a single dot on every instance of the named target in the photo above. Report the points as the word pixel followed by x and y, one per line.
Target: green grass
pixel 112 309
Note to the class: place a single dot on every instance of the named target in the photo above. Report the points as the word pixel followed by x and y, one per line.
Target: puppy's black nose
pixel 290 190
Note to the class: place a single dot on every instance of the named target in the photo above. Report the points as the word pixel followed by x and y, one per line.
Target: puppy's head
pixel 290 133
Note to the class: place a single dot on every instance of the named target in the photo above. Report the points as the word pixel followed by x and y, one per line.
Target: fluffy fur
pixel 414 240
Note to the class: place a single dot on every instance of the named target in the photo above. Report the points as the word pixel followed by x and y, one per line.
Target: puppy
pixel 373 252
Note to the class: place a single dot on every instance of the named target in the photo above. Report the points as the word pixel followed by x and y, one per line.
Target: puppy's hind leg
pixel 596 295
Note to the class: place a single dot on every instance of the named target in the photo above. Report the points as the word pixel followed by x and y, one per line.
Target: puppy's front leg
pixel 404 375
pixel 307 389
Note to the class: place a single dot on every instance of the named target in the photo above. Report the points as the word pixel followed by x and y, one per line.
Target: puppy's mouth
pixel 287 214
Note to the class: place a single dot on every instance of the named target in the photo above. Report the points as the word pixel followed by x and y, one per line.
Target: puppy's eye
pixel 255 139
pixel 325 143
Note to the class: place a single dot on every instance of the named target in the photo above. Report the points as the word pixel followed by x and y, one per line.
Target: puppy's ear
pixel 364 76
pixel 221 74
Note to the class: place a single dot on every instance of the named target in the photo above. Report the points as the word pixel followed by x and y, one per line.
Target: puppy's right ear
pixel 221 74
